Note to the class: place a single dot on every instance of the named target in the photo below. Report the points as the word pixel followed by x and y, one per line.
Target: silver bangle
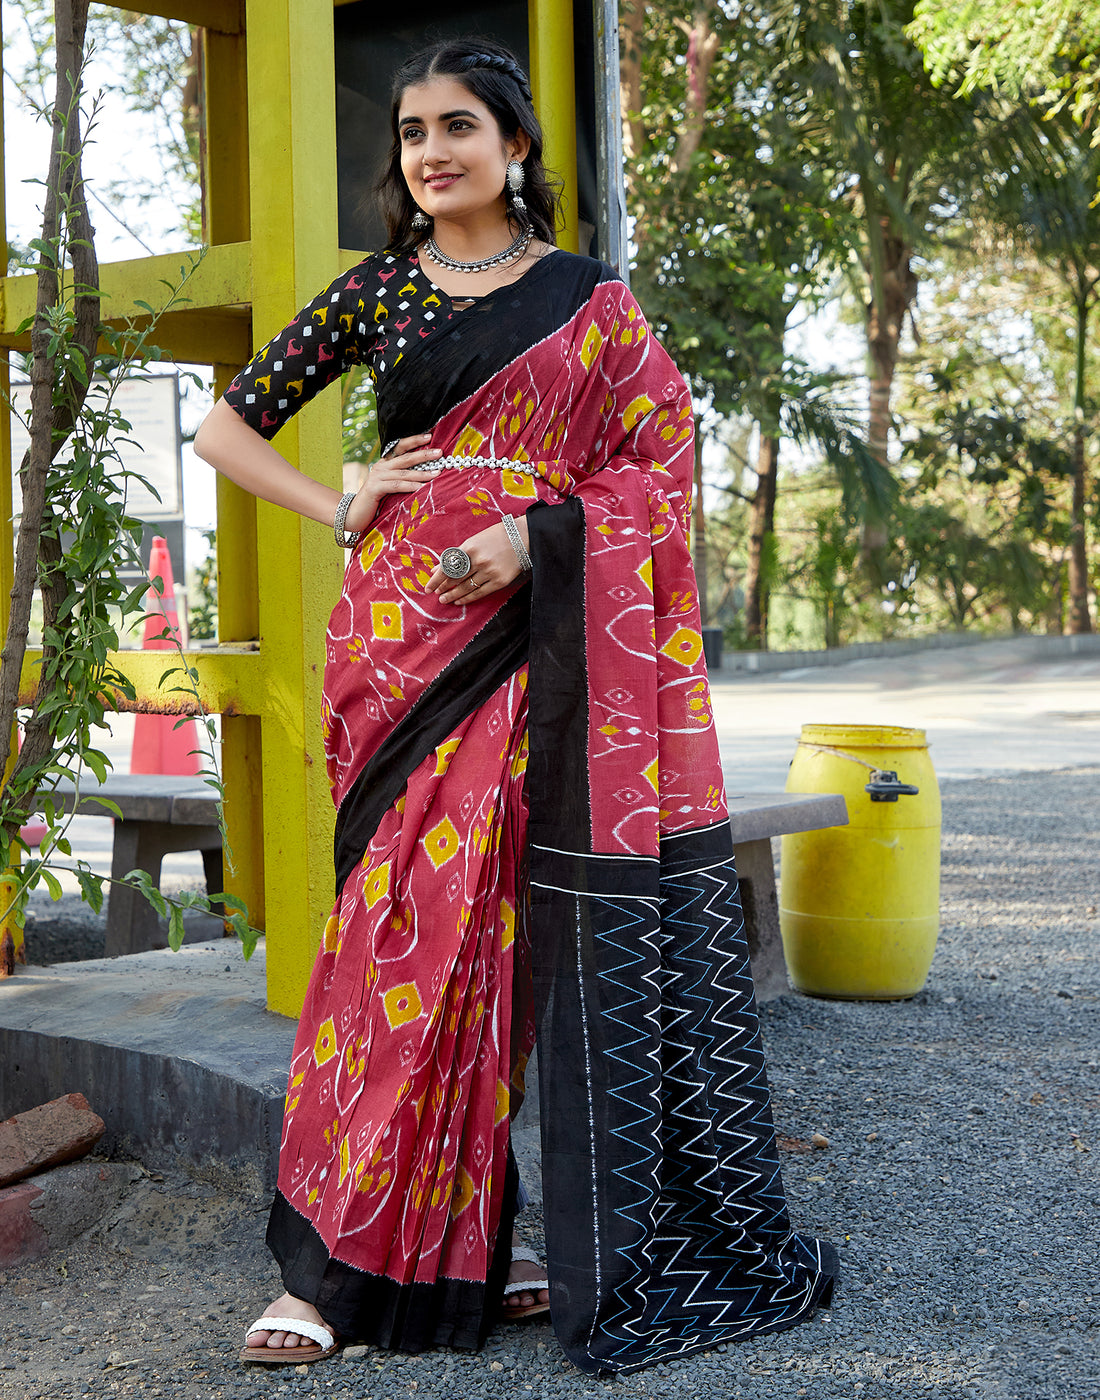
pixel 351 538
pixel 512 531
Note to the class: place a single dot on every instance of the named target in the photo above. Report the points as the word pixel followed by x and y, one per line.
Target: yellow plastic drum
pixel 859 905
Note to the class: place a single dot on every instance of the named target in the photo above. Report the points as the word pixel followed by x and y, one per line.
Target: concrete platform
pixel 179 1056
pixel 176 1052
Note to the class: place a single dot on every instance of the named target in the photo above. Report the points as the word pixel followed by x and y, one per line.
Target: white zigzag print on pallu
pixel 690 1242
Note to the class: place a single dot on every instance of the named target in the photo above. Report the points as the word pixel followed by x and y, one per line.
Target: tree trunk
pixel 1079 621
pixel 702 49
pixel 58 388
pixel 631 30
pixel 892 290
pixel 761 529
pixel 699 531
pixel 832 620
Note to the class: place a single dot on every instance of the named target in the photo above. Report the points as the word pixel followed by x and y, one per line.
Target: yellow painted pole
pixel 226 220
pixel 225 144
pixel 292 181
pixel 212 14
pixel 550 24
pixel 242 743
pixel 7 549
pixel 242 776
pixel 7 552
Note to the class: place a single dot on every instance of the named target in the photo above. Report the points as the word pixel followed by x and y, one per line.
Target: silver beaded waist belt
pixel 502 464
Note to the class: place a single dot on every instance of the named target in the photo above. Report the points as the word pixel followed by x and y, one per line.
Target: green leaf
pixel 91 889
pixel 176 929
pixel 231 901
pixel 97 763
pixel 142 882
pixel 248 935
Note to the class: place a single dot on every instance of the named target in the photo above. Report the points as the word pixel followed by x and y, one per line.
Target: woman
pixel 531 822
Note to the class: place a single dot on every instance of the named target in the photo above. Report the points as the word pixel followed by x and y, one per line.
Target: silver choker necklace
pixel 514 251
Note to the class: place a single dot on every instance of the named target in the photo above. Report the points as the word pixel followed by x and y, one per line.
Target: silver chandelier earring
pixel 515 177
pixel 420 220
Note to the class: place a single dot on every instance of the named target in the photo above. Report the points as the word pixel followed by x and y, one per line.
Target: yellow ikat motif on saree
pixel 403 1004
pixel 685 646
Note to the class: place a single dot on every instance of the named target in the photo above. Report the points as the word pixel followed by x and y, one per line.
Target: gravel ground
pixel 960 1182
pixel 66 930
pixel 62 931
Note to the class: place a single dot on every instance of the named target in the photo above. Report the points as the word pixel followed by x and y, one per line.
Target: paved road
pixel 992 708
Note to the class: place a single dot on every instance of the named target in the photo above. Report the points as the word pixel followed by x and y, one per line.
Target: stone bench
pixel 754 819
pixel 160 815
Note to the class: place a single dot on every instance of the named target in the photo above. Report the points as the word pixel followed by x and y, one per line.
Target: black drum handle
pixel 884 786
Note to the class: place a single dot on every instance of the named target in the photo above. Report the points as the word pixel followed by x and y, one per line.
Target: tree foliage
pixel 1047 202
pixel 778 152
pixel 988 446
pixel 1041 50
pixel 903 153
pixel 740 222
pixel 75 536
pixel 152 65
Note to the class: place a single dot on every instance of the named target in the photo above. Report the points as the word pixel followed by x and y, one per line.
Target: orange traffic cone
pixel 31 834
pixel 159 747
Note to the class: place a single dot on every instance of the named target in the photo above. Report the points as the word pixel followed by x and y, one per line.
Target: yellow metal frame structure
pixel 271 229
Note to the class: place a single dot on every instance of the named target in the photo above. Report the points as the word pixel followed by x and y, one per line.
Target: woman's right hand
pixel 400 472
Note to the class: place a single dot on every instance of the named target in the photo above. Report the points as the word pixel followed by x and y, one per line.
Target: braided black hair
pixel 494 75
pixel 501 63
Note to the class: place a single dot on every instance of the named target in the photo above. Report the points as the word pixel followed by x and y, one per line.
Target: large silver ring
pixel 456 563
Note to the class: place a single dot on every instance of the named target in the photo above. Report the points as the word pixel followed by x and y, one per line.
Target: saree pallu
pixel 532 829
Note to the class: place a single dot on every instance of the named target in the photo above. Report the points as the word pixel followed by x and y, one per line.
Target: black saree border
pixel 667 1226
pixel 464 684
pixel 557 705
pixel 462 355
pixel 365 1307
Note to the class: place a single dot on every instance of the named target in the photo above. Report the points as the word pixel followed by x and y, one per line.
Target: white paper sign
pixel 152 408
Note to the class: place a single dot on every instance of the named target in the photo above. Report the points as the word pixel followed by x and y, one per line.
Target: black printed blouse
pixel 365 317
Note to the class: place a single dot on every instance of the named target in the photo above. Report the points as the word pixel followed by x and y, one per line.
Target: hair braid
pixel 499 64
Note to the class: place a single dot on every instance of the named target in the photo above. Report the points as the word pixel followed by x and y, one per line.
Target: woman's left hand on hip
pixel 493 566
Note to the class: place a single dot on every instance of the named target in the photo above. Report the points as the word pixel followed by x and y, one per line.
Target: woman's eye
pixel 410 132
pixel 459 125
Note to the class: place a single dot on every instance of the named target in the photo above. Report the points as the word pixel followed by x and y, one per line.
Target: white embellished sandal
pixel 531 1285
pixel 322 1342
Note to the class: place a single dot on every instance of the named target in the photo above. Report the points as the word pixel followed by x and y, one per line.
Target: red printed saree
pixel 532 830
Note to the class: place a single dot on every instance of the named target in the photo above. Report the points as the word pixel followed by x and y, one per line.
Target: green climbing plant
pixel 75 541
